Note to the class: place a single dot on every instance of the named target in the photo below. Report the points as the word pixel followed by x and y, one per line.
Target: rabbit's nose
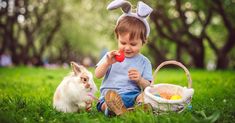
pixel 87 85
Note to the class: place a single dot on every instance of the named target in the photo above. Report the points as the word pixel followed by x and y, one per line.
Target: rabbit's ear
pixel 76 68
pixel 123 4
pixel 143 10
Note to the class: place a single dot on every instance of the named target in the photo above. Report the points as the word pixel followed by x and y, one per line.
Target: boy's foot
pixel 114 102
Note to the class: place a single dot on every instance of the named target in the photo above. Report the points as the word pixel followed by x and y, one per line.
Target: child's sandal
pixel 114 102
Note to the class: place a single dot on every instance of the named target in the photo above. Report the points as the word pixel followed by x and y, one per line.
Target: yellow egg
pixel 175 97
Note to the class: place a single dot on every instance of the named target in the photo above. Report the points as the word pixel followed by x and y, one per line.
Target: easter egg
pixel 157 95
pixel 175 97
pixel 121 57
pixel 165 95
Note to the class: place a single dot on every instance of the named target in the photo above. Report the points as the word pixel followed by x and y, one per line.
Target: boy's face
pixel 130 47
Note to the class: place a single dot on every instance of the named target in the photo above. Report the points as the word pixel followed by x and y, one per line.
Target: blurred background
pixel 51 33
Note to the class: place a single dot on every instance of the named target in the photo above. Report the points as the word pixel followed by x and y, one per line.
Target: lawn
pixel 26 96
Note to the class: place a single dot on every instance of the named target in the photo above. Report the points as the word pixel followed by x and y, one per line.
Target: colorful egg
pixel 157 95
pixel 176 97
pixel 121 57
pixel 165 95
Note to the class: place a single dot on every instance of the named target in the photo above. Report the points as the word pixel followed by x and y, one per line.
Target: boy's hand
pixel 111 57
pixel 134 75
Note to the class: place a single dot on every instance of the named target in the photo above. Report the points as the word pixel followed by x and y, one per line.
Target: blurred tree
pixel 193 32
pixel 84 32
pixel 54 31
pixel 28 28
pixel 189 24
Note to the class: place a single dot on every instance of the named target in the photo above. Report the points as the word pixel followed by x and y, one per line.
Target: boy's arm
pixel 146 78
pixel 134 75
pixel 143 83
pixel 101 70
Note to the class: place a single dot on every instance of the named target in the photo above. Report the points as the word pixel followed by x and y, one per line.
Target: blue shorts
pixel 128 99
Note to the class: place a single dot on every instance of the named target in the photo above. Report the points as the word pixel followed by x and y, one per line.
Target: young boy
pixel 123 81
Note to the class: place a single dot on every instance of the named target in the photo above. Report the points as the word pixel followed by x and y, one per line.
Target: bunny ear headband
pixel 143 10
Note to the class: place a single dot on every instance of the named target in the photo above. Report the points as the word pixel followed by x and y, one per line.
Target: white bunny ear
pixel 76 68
pixel 143 10
pixel 125 5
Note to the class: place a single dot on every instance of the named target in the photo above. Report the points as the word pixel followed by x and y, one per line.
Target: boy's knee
pixel 140 98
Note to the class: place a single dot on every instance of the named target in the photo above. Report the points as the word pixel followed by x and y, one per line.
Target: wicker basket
pixel 160 104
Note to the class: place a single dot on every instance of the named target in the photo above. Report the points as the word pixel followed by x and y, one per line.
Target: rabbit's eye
pixel 84 79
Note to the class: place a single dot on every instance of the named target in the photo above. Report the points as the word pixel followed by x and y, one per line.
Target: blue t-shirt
pixel 116 77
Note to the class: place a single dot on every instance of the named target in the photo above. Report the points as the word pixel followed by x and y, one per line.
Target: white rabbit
pixel 75 90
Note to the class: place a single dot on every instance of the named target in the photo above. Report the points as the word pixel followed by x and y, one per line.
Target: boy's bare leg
pixel 140 103
pixel 103 107
pixel 140 98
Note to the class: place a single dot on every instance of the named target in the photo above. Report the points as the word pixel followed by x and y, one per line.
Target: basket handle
pixel 174 63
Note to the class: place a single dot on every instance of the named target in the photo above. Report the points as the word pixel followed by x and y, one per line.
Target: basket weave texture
pixel 160 104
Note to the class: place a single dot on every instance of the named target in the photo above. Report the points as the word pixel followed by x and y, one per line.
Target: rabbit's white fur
pixel 73 92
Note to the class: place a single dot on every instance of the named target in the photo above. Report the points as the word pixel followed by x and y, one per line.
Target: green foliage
pixel 180 20
pixel 217 31
pixel 85 25
pixel 26 96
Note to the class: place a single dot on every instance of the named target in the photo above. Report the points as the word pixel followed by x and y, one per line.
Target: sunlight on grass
pixel 26 96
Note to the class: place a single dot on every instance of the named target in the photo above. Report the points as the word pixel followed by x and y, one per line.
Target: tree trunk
pixel 222 57
pixel 178 53
pixel 222 61
pixel 198 60
pixel 9 32
pixel 158 56
pixel 197 52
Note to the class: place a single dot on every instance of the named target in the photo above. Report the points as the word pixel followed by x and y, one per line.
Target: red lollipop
pixel 120 57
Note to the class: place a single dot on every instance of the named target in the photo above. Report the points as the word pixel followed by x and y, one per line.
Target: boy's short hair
pixel 133 26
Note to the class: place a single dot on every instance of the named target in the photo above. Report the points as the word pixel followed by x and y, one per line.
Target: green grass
pixel 26 96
